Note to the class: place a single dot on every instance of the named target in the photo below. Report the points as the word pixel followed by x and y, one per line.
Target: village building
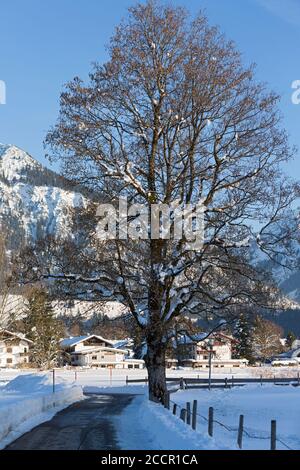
pixel 14 349
pixel 290 357
pixel 95 351
pixel 195 351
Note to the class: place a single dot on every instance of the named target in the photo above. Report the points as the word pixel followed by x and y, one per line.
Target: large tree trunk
pixel 156 367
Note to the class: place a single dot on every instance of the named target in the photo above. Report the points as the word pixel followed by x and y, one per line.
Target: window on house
pixel 94 358
pixel 136 366
pixel 130 366
pixel 25 350
pixel 9 350
pixel 9 361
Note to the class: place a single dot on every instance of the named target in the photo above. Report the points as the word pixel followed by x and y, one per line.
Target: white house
pixel 195 351
pixel 95 351
pixel 14 349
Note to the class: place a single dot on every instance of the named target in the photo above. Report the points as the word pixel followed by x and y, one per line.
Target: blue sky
pixel 45 43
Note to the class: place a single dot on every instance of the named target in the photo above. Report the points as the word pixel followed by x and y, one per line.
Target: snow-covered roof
pixel 123 343
pixel 191 339
pixel 292 353
pixel 296 344
pixel 16 335
pixel 185 339
pixel 72 341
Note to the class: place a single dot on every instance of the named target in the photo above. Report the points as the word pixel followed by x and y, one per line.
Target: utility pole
pixel 211 344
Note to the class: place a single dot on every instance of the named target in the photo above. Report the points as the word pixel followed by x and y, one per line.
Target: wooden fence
pixel 226 382
pixel 189 414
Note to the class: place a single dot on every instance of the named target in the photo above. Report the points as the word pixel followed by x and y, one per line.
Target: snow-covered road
pixel 87 425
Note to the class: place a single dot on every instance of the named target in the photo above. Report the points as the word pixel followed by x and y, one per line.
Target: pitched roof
pixel 198 337
pixel 185 339
pixel 69 342
pixel 16 335
pixel 123 343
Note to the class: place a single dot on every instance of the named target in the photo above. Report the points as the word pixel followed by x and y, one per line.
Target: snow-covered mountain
pixel 34 201
pixel 287 278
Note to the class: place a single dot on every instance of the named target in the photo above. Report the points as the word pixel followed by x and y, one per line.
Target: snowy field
pixel 110 377
pixel 28 400
pixel 259 405
pixel 117 377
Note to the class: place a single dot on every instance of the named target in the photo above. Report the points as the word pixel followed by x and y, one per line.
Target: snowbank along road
pixel 86 425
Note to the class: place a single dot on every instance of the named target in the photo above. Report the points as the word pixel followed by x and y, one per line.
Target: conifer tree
pixel 43 329
pixel 243 333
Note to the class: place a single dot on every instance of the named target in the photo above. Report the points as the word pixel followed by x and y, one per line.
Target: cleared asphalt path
pixel 86 425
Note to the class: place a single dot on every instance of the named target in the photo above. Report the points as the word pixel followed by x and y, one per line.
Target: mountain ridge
pixel 33 200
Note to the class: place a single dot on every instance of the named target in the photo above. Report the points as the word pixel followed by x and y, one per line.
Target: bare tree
pixel 266 339
pixel 173 115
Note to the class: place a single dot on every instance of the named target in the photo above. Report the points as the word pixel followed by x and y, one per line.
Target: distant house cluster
pixel 94 351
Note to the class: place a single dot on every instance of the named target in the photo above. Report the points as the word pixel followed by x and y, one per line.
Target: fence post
pixel 126 379
pixel 273 435
pixel 181 383
pixel 194 415
pixel 210 421
pixel 53 380
pixel 232 381
pixel 174 409
pixel 261 380
pixel 183 415
pixel 274 379
pixel 226 382
pixel 240 432
pixel 188 413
